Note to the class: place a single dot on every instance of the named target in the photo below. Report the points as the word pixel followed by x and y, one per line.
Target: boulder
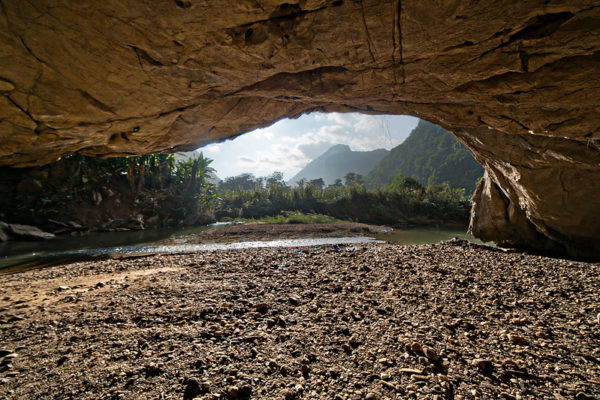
pixel 28 232
pixel 124 224
pixel 4 232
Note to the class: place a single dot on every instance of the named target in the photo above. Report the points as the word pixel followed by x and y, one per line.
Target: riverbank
pixel 383 321
pixel 275 231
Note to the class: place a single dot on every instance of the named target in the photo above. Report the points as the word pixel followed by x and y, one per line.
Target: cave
pixel 516 82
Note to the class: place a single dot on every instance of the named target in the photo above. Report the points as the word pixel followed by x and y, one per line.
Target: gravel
pixel 446 321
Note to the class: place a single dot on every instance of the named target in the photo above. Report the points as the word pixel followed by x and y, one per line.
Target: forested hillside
pixel 336 162
pixel 431 155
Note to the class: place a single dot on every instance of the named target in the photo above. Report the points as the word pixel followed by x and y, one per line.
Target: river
pixel 22 255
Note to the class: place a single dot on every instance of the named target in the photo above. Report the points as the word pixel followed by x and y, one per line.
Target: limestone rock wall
pixel 516 81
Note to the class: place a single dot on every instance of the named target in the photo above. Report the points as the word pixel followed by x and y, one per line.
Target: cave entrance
pixel 328 146
pixel 289 145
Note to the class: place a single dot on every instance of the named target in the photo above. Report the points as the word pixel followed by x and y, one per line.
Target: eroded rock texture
pixel 516 81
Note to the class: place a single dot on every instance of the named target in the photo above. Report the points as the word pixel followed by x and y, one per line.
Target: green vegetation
pixel 287 217
pixel 93 191
pixel 404 201
pixel 432 156
pixel 415 183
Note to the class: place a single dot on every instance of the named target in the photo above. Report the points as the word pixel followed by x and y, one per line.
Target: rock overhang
pixel 517 82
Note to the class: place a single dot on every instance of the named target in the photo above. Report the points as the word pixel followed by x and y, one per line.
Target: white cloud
pixel 212 148
pixel 313 150
pixel 289 145
pixel 264 133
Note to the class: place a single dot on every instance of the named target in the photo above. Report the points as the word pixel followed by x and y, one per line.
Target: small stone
pixel 246 391
pixel 294 300
pixel 288 394
pixel 372 396
pixel 4 352
pixel 389 385
pixel 585 396
pixel 385 361
pixel 483 364
pixel 63 288
pixel 411 371
pixel 261 307
pixel 516 339
pixel 542 335
pixel 416 346
pixel 233 392
pixel 431 353
pixel 510 363
pixel 152 370
pixel 193 388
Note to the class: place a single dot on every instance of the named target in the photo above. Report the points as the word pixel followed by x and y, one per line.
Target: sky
pixel 288 145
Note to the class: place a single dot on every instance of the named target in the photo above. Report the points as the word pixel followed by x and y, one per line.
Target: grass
pixel 288 217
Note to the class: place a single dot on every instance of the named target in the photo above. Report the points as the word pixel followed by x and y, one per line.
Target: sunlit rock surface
pixel 516 81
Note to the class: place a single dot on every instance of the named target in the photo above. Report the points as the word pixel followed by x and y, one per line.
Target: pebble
pixel 542 335
pixel 416 346
pixel 193 388
pixel 483 364
pixel 205 321
pixel 372 396
pixel 431 353
pixel 411 371
pixel 516 339
pixel 288 394
pixel 585 396
pixel 233 392
pixel 261 307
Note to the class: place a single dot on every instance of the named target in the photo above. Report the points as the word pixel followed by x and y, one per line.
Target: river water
pixel 17 255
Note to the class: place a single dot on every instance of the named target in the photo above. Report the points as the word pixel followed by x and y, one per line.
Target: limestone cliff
pixel 516 81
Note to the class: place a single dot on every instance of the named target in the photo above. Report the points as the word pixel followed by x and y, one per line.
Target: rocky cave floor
pixel 446 321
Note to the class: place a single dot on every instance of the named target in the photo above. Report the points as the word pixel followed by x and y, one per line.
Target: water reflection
pixel 24 255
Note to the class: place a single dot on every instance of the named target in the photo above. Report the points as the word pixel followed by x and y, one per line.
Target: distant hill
pixel 431 155
pixel 337 162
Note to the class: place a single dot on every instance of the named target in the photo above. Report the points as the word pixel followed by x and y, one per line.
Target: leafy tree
pixel 352 179
pixel 301 182
pixel 275 179
pixel 337 184
pixel 318 183
pixel 406 183
pixel 240 182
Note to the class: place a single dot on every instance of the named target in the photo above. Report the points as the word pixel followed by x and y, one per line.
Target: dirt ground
pixel 446 321
pixel 266 231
